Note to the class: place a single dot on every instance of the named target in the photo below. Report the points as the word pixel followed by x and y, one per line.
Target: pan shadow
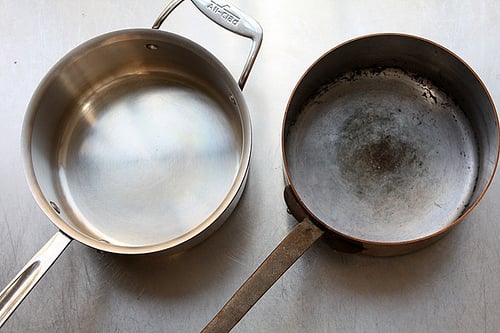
pixel 381 274
pixel 188 273
pixel 337 288
pixel 368 275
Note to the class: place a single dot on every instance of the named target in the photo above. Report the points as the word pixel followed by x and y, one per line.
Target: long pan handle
pixel 15 292
pixel 228 17
pixel 286 253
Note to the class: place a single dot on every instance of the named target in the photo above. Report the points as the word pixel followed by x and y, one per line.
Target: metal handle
pixel 286 253
pixel 228 17
pixel 15 292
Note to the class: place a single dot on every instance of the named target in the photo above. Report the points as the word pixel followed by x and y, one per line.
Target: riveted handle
pixel 301 238
pixel 228 17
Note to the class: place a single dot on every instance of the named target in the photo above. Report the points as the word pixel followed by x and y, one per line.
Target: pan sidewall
pixel 205 228
pixel 308 85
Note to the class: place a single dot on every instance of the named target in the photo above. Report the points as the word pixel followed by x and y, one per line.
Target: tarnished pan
pixel 388 142
pixel 137 141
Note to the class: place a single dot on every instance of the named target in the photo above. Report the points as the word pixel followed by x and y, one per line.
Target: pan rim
pixel 205 227
pixel 368 242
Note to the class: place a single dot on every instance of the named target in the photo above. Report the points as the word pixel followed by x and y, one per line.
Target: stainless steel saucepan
pixel 389 141
pixel 137 141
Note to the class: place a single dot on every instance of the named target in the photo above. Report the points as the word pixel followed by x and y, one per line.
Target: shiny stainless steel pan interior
pixel 137 141
pixel 132 146
pixel 388 142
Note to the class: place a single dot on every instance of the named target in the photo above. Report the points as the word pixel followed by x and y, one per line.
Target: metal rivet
pixel 55 207
pixel 102 241
pixel 232 99
pixel 152 47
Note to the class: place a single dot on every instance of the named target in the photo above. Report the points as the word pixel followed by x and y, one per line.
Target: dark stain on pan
pixel 386 155
pixel 381 153
pixel 370 156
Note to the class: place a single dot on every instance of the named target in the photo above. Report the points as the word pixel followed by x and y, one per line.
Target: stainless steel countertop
pixel 451 286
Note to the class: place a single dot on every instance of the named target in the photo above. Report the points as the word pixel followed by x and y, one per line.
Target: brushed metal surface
pixel 293 246
pixel 451 286
pixel 123 137
pixel 369 153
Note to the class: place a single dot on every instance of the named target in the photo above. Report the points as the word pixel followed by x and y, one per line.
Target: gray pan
pixel 137 141
pixel 388 142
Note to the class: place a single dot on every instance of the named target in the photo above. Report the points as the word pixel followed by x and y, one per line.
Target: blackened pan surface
pixel 382 155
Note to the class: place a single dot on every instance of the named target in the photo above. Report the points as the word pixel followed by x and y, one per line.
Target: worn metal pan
pixel 137 141
pixel 389 141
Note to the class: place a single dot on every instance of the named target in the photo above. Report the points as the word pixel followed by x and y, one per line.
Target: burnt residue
pixel 428 94
pixel 380 147
pixel 385 155
pixel 374 156
pixel 381 154
pixel 378 70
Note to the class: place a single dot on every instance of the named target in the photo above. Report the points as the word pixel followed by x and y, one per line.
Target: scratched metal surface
pixel 451 286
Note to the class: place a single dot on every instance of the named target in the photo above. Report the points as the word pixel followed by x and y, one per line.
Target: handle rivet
pixel 55 207
pixel 232 99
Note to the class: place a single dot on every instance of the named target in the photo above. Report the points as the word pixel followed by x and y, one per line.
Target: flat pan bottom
pixel 147 158
pixel 383 156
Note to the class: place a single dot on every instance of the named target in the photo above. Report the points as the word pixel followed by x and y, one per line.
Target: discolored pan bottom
pixel 382 155
pixel 147 158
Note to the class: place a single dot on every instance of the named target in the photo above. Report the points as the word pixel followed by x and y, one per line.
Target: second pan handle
pixel 229 17
pixel 276 264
